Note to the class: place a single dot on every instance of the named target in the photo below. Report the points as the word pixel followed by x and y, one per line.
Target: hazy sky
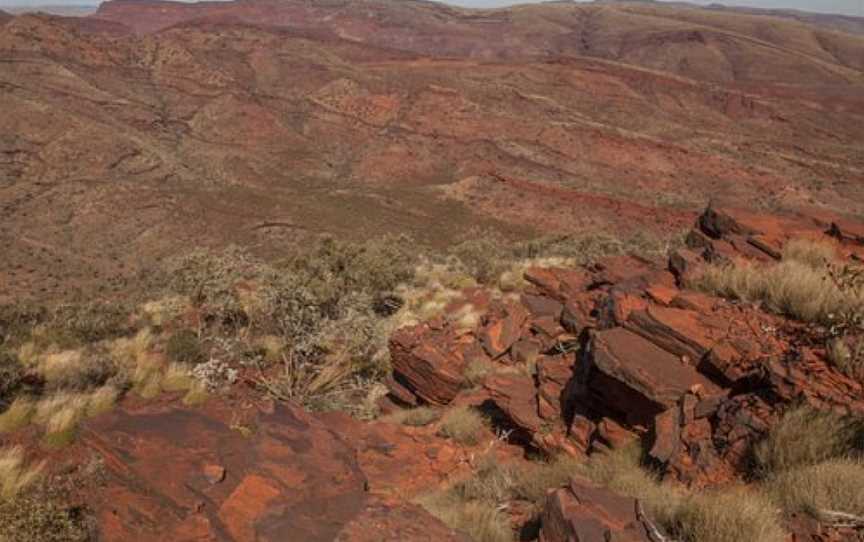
pixel 848 7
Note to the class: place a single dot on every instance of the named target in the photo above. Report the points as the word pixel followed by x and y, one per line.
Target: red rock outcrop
pixel 178 474
pixel 582 512
pixel 601 356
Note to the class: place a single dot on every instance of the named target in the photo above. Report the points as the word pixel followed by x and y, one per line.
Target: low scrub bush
pixel 17 415
pixel 477 371
pixel 184 346
pixel 11 377
pixel 39 515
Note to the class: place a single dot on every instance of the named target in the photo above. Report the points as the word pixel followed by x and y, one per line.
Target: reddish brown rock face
pixel 183 475
pixel 582 512
pixel 426 363
pixel 293 479
pixel 638 379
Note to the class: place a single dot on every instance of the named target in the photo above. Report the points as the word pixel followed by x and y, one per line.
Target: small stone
pixel 214 473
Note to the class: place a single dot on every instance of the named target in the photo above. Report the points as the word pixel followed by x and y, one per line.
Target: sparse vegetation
pixel 462 424
pixel 830 486
pixel 420 416
pixel 808 285
pixel 15 476
pixel 806 437
pixel 477 370
pixel 185 346
pixel 727 516
pixel 38 513
pixel 482 521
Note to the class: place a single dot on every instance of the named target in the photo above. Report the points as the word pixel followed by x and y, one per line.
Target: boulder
pixel 678 331
pixel 719 222
pixel 516 396
pixel 499 334
pixel 583 512
pixel 635 379
pixel 427 364
pixel 685 265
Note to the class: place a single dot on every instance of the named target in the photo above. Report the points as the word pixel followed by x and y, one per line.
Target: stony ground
pixel 627 397
pixel 132 134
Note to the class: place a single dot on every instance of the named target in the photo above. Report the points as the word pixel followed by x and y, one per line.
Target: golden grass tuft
pixel 462 424
pixel 102 400
pixel 28 354
pixel 477 371
pixel 131 351
pixel 483 521
pixel 728 516
pixel 834 486
pixel 61 365
pixel 60 414
pixel 816 254
pixel 804 437
pixel 18 415
pixel 790 288
pixel 197 394
pixel 177 377
pixel 418 417
pixel 14 475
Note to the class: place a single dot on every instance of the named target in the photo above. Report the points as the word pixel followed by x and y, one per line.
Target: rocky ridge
pixel 587 360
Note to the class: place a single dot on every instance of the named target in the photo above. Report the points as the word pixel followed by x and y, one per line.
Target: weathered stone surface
pixel 582 512
pixel 847 230
pixel 577 313
pixel 667 435
pixel 614 435
pixel 554 373
pixel 558 283
pixel 581 431
pixel 636 379
pixel 678 331
pixel 720 222
pixel 539 306
pixel 500 334
pixel 425 363
pixel 685 265
pixel 379 522
pixel 767 245
pixel 516 396
pixel 295 480
pixel 525 351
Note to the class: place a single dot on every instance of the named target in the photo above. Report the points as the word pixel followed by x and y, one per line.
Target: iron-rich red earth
pixel 152 126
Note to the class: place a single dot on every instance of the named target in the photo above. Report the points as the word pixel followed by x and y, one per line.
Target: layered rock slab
pixel 288 478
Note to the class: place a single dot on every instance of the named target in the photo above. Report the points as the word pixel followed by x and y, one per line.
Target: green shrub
pixel 73 325
pixel 184 346
pixel 11 377
pixel 17 321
